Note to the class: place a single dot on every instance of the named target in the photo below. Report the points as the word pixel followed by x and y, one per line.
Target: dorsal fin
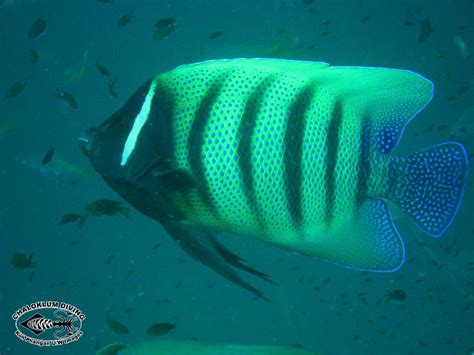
pixel 390 98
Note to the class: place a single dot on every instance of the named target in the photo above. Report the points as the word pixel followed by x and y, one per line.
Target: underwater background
pixel 127 269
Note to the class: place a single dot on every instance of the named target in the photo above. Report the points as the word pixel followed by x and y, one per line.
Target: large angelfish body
pixel 294 153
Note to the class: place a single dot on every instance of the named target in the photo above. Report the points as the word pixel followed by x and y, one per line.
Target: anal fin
pixel 367 242
pixel 238 262
pixel 205 249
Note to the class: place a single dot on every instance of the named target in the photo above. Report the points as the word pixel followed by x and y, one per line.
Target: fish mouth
pixel 87 141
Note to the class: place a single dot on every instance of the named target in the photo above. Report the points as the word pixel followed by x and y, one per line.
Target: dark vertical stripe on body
pixel 196 139
pixel 293 157
pixel 332 146
pixel 245 131
pixel 363 164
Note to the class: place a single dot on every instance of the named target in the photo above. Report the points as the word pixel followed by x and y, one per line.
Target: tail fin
pixel 429 185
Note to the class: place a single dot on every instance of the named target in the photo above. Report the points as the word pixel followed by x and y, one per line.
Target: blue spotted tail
pixel 429 185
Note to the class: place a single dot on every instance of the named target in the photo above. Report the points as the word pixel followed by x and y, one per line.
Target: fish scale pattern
pixel 268 212
pixel 295 152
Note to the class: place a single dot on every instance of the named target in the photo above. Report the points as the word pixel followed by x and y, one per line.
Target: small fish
pixel 425 30
pixel 67 98
pixel 75 74
pixel 124 20
pixel 159 329
pixel 166 22
pixel 422 343
pixel 397 295
pixel 112 349
pixel 463 128
pixel 102 69
pixel 16 88
pixel 37 28
pixel 408 21
pixel 7 125
pixel 215 34
pixel 164 27
pixel 115 326
pixel 462 46
pixel 365 19
pixel 59 169
pixel 429 128
pixel 47 156
pixel 441 55
pixel 71 218
pixel 283 32
pixel 105 207
pixel 111 88
pixel 34 56
pixel 463 89
pixel 324 23
pixel 163 300
pixel 22 261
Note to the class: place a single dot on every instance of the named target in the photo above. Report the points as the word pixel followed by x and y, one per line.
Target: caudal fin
pixel 429 185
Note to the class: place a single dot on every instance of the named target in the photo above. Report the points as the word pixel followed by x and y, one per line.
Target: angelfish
pixel 297 154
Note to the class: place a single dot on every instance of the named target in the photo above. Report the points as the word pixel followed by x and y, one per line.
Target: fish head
pixel 104 144
pixel 132 151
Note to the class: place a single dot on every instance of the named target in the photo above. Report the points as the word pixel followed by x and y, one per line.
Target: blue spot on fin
pixel 429 185
pixel 388 136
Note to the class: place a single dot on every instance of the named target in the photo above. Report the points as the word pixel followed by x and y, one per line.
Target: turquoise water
pixel 130 268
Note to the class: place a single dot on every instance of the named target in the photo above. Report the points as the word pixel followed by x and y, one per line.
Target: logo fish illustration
pixel 65 324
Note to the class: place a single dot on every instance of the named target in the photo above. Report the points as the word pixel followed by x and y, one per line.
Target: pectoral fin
pixel 204 248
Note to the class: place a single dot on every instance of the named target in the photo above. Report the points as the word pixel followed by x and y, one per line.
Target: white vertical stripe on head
pixel 138 124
